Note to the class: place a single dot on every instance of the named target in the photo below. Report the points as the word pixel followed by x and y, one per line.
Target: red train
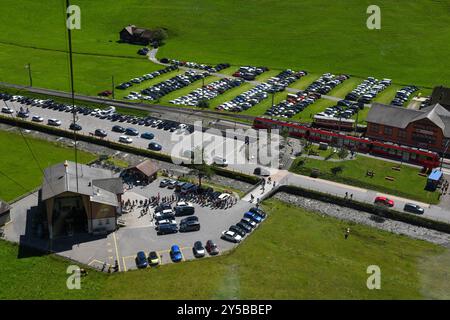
pixel 421 157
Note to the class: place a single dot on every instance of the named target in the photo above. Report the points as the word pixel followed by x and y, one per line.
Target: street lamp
pixel 28 66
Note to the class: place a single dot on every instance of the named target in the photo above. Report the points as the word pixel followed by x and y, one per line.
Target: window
pixel 374 127
pixel 388 131
pixel 402 134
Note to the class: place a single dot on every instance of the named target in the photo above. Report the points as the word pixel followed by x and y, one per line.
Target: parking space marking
pixel 117 250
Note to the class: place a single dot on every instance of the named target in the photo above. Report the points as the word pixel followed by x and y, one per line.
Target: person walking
pixel 347 233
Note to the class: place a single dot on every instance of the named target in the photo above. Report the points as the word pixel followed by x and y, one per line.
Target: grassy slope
pixel 407 181
pixel 293 255
pixel 17 162
pixel 304 34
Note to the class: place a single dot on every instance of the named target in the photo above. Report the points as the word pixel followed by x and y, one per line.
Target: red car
pixel 105 93
pixel 383 200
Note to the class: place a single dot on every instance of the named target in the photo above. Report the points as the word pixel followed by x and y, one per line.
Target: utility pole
pixel 28 66
pixel 273 97
pixel 113 87
pixel 74 111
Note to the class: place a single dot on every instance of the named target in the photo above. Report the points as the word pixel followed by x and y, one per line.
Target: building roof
pixel 399 117
pixel 441 95
pixel 137 31
pixel 147 167
pixel 4 207
pixel 97 183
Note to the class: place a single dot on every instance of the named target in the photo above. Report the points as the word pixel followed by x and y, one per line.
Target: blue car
pixel 141 260
pixel 175 254
pixel 131 132
pixel 147 135
pixel 253 216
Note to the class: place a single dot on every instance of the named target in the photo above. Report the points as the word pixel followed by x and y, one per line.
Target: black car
pixel 238 230
pixel 75 127
pixel 198 250
pixel 118 129
pixel 100 133
pixel 244 226
pixel 189 224
pixel 184 211
pixel 162 207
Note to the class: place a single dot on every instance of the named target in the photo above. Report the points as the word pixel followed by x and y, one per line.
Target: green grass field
pixel 310 35
pixel 408 183
pixel 295 254
pixel 17 163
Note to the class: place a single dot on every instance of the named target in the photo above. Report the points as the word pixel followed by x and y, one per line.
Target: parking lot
pixel 177 141
pixel 140 233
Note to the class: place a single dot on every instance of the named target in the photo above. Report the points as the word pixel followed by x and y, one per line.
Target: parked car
pixel 37 119
pixel 198 250
pixel 164 183
pixel 125 139
pixel 384 201
pixel 413 208
pixel 147 135
pixel 189 224
pixel 175 254
pixel 118 129
pixel 131 132
pixel 218 161
pixel 154 258
pixel 244 226
pixel 238 230
pixel 250 222
pixel 100 133
pixel 141 260
pixel 211 248
pixel 166 228
pixel 231 236
pixel 75 127
pixel 253 216
pixel 7 110
pixel 154 146
pixel 54 122
pixel 184 211
pixel 258 211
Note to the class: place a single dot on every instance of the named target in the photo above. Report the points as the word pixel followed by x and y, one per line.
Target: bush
pixel 343 153
pixel 203 104
pixel 336 170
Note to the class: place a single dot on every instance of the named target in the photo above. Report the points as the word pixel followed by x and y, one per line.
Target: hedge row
pixel 119 146
pixel 369 208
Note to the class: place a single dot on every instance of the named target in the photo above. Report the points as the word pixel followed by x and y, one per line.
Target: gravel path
pixel 361 217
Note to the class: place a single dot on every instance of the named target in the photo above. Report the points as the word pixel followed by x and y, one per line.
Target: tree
pixel 336 170
pixel 159 35
pixel 203 104
pixel 343 153
pixel 199 167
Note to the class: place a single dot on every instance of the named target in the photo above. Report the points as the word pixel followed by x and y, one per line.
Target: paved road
pixel 234 152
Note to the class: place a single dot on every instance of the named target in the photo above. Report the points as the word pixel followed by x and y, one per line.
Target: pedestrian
pixel 346 195
pixel 351 196
pixel 347 233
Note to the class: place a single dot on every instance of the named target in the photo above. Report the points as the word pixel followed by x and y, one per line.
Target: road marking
pixel 117 250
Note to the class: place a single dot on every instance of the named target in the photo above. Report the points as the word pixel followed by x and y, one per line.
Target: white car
pixel 37 119
pixel 7 110
pixel 220 161
pixel 54 122
pixel 224 196
pixel 184 204
pixel 231 236
pixel 125 139
pixel 166 221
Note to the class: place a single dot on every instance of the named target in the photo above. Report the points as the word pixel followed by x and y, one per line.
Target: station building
pixel 80 199
pixel 428 128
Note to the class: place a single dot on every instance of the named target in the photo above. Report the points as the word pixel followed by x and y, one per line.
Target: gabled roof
pixel 400 117
pixel 97 183
pixel 147 167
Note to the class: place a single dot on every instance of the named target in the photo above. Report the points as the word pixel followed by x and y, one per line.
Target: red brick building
pixel 428 128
